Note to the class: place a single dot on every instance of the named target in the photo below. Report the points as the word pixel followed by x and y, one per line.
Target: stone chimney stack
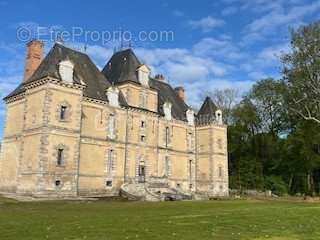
pixel 180 92
pixel 159 77
pixel 33 58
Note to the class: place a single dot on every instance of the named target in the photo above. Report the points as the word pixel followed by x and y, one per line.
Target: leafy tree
pixel 302 72
pixel 267 96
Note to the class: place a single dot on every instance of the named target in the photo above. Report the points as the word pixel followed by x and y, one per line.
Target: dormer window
pixel 143 75
pixel 113 96
pixel 167 110
pixel 219 116
pixel 190 117
pixel 66 71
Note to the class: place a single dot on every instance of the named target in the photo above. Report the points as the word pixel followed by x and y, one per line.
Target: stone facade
pixel 59 142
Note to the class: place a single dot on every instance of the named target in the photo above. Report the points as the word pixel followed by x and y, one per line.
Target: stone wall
pixel 191 158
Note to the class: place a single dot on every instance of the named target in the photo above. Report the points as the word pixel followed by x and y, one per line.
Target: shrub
pixel 276 185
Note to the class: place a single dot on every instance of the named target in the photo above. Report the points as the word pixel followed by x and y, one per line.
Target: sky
pixel 202 45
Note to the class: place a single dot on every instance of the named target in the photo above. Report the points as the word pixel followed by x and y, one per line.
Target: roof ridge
pixel 70 49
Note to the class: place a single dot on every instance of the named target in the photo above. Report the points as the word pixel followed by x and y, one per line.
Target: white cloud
pixel 257 75
pixel 265 63
pixel 197 90
pixel 224 49
pixel 181 65
pixel 280 17
pixel 206 24
pixel 229 11
pixel 98 52
pixel 272 54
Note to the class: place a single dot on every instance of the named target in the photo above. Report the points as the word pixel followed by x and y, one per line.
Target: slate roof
pixel 207 110
pixel 167 93
pixel 85 71
pixel 122 67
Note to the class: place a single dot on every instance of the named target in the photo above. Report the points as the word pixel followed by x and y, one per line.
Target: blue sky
pixel 215 44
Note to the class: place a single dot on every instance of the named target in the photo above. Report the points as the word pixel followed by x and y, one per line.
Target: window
pixel 63 112
pixel 141 173
pixel 60 157
pixel 128 95
pixel 142 170
pixel 110 162
pixel 143 124
pixel 143 100
pixel 112 125
pixel 167 136
pixel 143 138
pixel 190 186
pixel 58 183
pixel 220 172
pixel 66 69
pixel 109 183
pixel 143 75
pixel 190 147
pixel 190 169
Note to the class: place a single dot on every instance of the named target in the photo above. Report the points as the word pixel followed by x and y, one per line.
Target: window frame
pixel 60 157
pixel 63 112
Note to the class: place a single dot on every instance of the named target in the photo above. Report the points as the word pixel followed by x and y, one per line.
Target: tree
pixel 246 170
pixel 302 72
pixel 225 99
pixel 267 96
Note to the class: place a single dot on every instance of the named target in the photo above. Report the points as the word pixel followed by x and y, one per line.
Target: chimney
pixel 33 58
pixel 180 92
pixel 159 77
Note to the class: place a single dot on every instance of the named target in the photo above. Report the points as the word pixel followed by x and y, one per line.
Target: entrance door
pixel 142 173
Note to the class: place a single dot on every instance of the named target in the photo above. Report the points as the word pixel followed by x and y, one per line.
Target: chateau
pixel 73 130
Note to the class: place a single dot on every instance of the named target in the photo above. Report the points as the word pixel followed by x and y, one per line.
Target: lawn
pixel 107 220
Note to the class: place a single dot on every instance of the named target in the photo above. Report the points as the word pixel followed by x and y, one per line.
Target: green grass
pixel 107 220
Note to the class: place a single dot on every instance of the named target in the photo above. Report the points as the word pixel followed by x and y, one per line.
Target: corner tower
pixel 212 158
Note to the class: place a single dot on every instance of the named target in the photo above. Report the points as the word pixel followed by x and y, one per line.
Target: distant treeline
pixel 274 130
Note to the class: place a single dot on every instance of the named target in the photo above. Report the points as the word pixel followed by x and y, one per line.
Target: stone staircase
pixel 156 189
